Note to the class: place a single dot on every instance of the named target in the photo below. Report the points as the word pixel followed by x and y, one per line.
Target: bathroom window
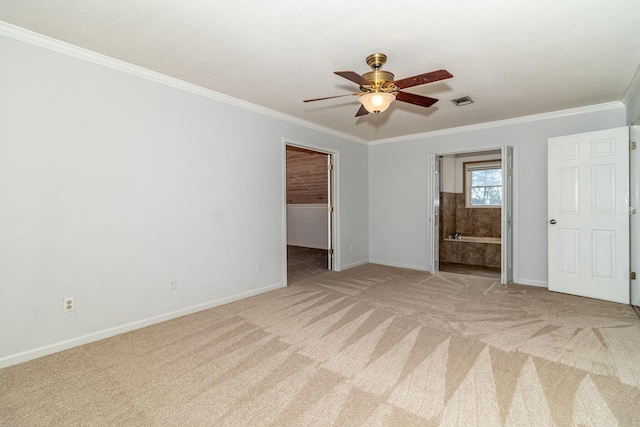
pixel 483 184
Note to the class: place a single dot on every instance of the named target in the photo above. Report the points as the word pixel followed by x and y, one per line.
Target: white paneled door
pixel 588 222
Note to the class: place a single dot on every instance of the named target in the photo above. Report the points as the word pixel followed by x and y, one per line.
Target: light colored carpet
pixel 370 346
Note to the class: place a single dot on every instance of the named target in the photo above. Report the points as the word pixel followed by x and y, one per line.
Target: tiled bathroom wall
pixel 480 222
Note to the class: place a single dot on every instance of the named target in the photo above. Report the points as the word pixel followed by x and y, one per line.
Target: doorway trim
pixel 634 217
pixel 334 201
pixel 434 241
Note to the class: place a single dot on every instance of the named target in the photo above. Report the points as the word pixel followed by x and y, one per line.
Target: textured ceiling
pixel 513 57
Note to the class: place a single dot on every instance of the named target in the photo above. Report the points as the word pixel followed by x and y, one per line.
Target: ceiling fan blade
pixel 362 111
pixel 421 79
pixel 411 98
pixel 354 77
pixel 329 97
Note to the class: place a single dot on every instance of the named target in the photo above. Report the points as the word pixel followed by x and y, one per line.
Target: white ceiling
pixel 513 57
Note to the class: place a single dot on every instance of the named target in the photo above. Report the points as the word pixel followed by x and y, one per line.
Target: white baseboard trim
pixel 25 356
pixel 538 283
pixel 400 265
pixel 353 264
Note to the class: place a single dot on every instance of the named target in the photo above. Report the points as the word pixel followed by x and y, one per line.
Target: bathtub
pixel 491 240
pixel 471 250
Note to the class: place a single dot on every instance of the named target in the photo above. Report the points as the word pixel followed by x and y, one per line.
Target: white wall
pixel 399 194
pixel 308 225
pixel 112 184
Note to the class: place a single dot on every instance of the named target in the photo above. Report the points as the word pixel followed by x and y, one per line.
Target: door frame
pixel 434 241
pixel 334 201
pixel 634 217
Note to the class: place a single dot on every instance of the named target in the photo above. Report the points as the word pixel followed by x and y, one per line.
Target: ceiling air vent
pixel 465 100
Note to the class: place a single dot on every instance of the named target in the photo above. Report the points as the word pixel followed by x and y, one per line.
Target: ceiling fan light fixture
pixel 376 102
pixel 379 88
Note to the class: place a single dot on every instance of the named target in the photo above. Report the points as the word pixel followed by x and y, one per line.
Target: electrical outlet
pixel 69 305
pixel 173 284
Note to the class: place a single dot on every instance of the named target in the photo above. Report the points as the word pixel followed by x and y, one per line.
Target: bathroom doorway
pixel 473 213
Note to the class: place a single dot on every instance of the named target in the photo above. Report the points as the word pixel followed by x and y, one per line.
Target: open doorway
pixel 472 213
pixel 309 212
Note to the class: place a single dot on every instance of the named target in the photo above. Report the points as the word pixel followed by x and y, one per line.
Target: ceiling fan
pixel 378 89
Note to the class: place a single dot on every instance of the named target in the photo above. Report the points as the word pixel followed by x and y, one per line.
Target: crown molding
pixel 46 42
pixel 499 123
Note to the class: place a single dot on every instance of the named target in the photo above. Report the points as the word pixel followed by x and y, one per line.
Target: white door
pixel 507 216
pixel 588 222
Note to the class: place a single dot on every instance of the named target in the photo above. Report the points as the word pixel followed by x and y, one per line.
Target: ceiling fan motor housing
pixel 377 76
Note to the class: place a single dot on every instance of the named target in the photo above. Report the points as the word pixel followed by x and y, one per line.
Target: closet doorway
pixel 309 212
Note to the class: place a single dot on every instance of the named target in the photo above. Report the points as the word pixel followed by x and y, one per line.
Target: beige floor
pixel 369 346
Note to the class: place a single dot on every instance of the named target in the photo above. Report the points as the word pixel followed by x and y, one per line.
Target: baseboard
pixel 25 356
pixel 538 283
pixel 400 265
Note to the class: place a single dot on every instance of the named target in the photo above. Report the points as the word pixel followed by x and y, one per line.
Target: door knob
pixel 553 221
